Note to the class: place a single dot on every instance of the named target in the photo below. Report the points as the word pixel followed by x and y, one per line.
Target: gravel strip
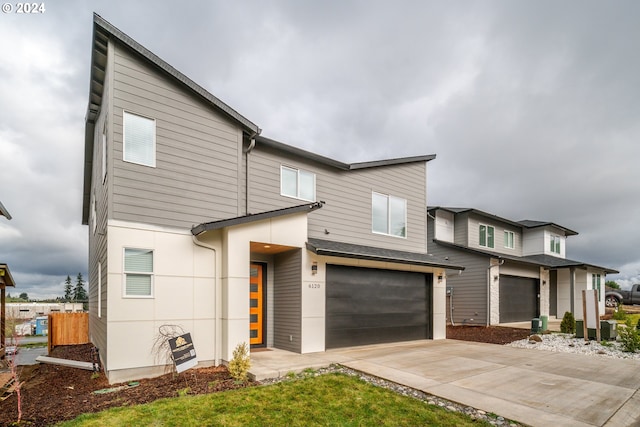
pixel 567 343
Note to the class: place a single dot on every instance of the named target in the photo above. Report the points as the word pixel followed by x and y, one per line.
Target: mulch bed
pixel 51 394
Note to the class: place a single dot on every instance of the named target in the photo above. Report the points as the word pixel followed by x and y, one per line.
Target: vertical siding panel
pixel 287 304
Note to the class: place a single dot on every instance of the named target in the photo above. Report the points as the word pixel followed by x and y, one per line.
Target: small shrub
pixel 629 337
pixel 568 324
pixel 240 363
pixel 620 314
pixel 184 392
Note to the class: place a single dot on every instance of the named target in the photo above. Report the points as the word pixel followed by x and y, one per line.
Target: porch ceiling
pixel 269 248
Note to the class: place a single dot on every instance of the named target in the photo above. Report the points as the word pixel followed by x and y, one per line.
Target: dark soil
pixel 51 394
pixel 488 334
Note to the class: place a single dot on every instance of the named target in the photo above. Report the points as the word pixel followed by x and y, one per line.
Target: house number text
pixel 314 285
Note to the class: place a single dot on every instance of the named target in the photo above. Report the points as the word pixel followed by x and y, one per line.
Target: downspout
pixel 250 148
pixel 218 305
pixel 572 284
pixel 489 289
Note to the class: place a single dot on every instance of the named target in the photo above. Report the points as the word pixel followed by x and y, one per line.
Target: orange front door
pixel 256 305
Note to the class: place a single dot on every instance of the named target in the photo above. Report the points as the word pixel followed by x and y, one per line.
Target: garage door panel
pixel 367 306
pixel 518 299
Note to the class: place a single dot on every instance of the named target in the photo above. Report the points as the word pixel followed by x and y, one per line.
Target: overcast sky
pixel 532 107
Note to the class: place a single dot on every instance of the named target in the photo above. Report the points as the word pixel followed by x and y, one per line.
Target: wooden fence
pixel 68 329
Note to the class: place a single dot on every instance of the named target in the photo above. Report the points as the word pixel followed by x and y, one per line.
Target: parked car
pixel 615 297
pixel 10 350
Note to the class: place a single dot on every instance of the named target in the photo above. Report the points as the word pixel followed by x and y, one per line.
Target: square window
pixel 138 272
pixel 389 215
pixel 139 139
pixel 298 183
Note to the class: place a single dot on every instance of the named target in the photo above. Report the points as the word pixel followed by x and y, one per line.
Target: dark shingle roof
pixel 349 250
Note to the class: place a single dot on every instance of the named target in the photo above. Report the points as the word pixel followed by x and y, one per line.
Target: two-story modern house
pixel 196 220
pixel 514 270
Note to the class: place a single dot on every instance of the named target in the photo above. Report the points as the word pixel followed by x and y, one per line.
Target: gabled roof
pixel 216 225
pixel 542 260
pixel 4 212
pixel 267 142
pixel 348 250
pixel 5 276
pixel 103 31
pixel 524 224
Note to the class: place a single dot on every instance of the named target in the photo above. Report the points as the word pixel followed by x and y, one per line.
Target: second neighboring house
pixel 514 270
pixel 197 221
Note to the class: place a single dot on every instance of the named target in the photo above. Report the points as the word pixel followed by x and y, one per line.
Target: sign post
pixel 183 352
pixel 591 313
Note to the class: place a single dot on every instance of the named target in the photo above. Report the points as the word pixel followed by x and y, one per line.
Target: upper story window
pixel 389 215
pixel 509 238
pixel 104 152
pixel 297 183
pixel 138 272
pixel 487 233
pixel 596 284
pixel 139 139
pixel 554 244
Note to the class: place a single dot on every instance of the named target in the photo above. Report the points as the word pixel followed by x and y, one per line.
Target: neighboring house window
pixel 297 183
pixel 595 283
pixel 389 215
pixel 486 236
pixel 509 239
pixel 138 272
pixel 139 140
pixel 555 244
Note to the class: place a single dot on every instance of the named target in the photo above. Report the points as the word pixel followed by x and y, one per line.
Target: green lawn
pixel 332 399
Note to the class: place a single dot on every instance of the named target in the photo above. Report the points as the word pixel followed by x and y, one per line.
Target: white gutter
pixel 218 303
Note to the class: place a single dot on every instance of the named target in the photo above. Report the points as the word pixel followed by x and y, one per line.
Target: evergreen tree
pixel 68 290
pixel 79 293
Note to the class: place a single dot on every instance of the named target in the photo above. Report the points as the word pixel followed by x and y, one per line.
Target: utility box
pixel 536 326
pixel 608 330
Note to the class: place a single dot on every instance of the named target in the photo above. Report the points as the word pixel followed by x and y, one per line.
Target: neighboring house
pixel 31 310
pixel 514 270
pixel 5 280
pixel 196 220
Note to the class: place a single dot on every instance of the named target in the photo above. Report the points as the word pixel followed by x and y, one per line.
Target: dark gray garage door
pixel 370 306
pixel 518 299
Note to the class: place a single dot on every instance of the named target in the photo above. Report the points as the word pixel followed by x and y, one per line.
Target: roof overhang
pixel 217 225
pixel 546 261
pixel 5 277
pixel 4 212
pixel 348 250
pixel 276 145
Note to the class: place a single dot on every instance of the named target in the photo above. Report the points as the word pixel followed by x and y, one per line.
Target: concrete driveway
pixel 538 388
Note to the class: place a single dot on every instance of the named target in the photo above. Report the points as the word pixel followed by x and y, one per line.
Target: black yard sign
pixel 183 352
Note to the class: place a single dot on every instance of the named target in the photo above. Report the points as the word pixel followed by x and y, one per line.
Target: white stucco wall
pixel 183 295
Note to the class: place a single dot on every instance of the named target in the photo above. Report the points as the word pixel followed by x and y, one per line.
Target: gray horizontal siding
pixel 197 152
pixel 469 288
pixel 499 229
pixel 347 212
pixel 287 301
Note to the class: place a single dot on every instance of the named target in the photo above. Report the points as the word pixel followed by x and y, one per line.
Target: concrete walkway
pixel 538 388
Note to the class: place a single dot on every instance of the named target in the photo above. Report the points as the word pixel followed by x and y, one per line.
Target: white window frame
pixel 486 237
pixel 152 163
pixel 596 283
pixel 509 239
pixel 389 216
pixel 298 172
pixel 555 244
pixel 94 215
pixel 139 273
